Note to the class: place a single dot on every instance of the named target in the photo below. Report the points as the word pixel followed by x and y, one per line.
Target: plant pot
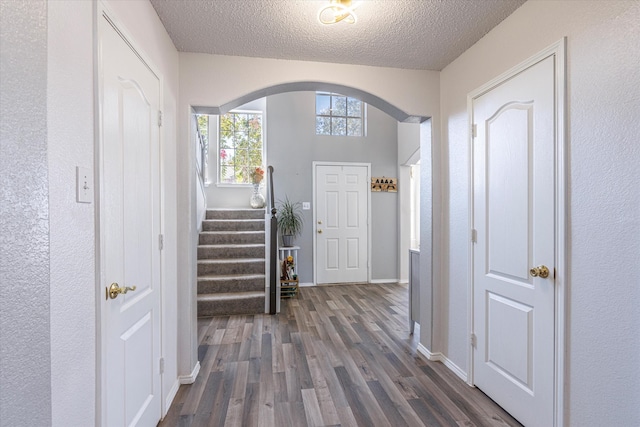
pixel 287 240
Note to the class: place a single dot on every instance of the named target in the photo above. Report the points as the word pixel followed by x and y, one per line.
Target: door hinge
pixel 162 365
pixel 474 235
pixel 161 241
pixel 159 118
pixel 474 130
pixel 474 341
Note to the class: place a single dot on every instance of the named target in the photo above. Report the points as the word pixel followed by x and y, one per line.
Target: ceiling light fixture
pixel 337 11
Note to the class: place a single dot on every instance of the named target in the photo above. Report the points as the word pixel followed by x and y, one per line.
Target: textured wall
pixel 70 122
pixel 230 77
pixel 603 53
pixel 292 146
pixel 25 393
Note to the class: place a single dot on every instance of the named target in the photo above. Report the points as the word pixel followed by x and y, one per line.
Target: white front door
pixel 341 229
pixel 129 233
pixel 514 219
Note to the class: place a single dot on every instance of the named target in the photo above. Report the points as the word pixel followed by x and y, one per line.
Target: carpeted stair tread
pixel 229 296
pixel 222 277
pixel 233 245
pixel 231 237
pixel 230 260
pixel 210 284
pixel 233 225
pixel 234 214
pixel 223 232
pixel 224 304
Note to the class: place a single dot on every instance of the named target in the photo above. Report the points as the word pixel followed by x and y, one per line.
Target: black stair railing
pixel 273 247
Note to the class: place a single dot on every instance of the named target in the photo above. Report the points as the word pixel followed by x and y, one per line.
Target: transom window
pixel 240 146
pixel 339 115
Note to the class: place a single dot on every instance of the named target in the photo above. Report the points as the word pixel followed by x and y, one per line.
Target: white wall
pixel 408 147
pixel 603 47
pixel 214 80
pixel 25 338
pixel 70 144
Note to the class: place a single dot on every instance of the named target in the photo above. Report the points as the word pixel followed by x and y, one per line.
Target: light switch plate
pixel 84 185
pixel 306 206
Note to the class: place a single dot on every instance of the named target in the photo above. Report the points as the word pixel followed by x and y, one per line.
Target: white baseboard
pixel 307 284
pixel 191 378
pixel 439 357
pixel 454 368
pixel 382 281
pixel 172 394
pixel 434 357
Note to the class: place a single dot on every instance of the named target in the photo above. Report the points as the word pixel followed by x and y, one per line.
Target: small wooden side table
pixel 289 288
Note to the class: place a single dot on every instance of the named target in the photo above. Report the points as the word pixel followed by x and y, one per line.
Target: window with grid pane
pixel 339 115
pixel 240 146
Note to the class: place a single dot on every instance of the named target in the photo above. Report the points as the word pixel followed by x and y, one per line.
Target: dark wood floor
pixel 336 355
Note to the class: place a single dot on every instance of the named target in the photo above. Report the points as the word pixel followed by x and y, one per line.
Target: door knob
pixel 541 271
pixel 114 290
pixel 319 231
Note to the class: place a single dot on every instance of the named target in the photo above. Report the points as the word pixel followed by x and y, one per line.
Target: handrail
pixel 203 151
pixel 271 195
pixel 273 248
pixel 201 173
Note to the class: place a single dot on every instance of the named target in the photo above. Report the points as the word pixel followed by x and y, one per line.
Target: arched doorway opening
pixel 423 133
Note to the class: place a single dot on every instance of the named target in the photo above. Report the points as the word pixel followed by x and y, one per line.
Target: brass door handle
pixel 541 271
pixel 319 231
pixel 114 290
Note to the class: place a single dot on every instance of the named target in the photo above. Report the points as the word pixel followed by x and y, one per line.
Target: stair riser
pixel 236 214
pixel 225 308
pixel 226 252
pixel 230 285
pixel 231 268
pixel 252 225
pixel 231 238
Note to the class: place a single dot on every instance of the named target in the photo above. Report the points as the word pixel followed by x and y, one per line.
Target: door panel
pixel 508 169
pixel 342 228
pixel 129 230
pixel 514 211
pixel 509 339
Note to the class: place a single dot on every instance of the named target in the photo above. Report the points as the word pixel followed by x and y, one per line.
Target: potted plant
pixel 289 221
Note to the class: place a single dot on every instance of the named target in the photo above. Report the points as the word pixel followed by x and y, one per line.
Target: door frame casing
pixel 315 164
pixel 102 11
pixel 558 52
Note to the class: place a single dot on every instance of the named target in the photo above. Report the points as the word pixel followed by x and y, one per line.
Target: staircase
pixel 231 263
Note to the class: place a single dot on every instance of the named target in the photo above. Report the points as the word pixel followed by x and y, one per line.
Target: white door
pixel 129 233
pixel 342 210
pixel 513 197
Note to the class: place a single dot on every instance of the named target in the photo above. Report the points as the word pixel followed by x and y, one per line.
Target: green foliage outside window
pixel 203 127
pixel 240 146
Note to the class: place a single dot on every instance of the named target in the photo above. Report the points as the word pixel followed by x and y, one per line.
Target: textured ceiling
pixel 412 34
